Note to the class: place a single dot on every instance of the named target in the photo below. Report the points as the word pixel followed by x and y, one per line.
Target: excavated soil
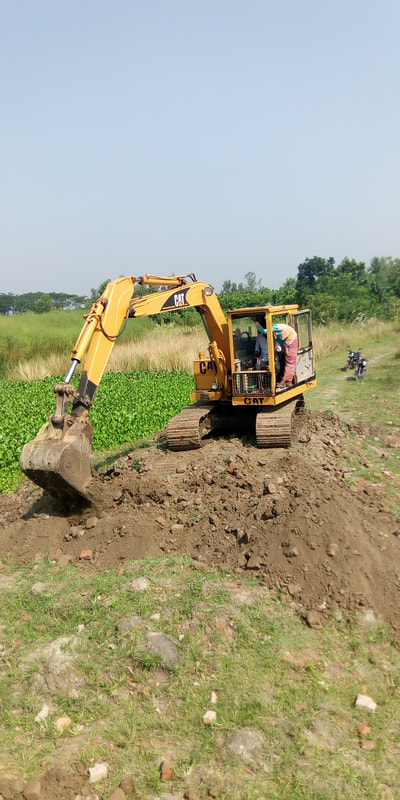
pixel 289 516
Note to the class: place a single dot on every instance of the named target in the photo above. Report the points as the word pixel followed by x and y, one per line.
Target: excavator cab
pixel 258 358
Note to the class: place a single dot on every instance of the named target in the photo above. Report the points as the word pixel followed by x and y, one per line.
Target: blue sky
pixel 208 136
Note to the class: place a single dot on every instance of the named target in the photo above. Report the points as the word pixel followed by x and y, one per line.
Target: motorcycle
pixel 353 359
pixel 361 368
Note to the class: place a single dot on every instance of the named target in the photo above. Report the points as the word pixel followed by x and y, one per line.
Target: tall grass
pixel 35 346
pixel 336 337
pixel 167 348
pixel 30 336
pixel 162 348
pixel 40 345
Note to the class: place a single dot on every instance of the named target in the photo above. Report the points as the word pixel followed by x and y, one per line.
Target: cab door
pixel 305 366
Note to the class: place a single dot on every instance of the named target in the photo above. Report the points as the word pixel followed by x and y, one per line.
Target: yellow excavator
pixel 232 390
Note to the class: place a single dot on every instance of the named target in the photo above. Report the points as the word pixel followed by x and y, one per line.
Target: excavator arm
pixel 58 459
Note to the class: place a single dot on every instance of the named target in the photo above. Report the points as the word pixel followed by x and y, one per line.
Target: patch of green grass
pixel 292 686
pixel 370 410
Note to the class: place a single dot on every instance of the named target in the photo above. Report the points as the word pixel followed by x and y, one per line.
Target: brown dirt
pixel 288 516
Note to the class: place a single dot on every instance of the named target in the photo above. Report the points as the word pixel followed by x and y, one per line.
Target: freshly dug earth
pixel 289 516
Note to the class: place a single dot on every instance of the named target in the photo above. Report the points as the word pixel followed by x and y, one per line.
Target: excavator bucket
pixel 58 459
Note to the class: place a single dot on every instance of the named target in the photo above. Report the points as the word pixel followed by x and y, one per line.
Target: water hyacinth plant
pixel 128 407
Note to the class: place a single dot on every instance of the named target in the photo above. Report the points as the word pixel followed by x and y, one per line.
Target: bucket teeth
pixel 58 459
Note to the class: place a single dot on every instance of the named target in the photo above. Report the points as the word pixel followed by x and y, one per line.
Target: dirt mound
pixel 288 516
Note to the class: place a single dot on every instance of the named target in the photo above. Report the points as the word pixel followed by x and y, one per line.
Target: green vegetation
pixel 39 302
pixel 371 407
pixel 345 292
pixel 141 403
pixel 293 687
pixel 128 407
pixel 350 290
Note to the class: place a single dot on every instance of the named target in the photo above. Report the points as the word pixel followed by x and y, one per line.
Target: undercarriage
pixel 271 425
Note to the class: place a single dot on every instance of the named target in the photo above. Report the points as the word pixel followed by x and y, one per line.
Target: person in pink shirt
pixel 287 337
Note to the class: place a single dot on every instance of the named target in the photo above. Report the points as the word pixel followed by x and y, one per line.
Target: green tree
pixel 43 304
pixel 286 294
pixel 309 272
pixel 7 303
pixel 228 287
pixel 252 283
pixel 384 279
pixel 63 301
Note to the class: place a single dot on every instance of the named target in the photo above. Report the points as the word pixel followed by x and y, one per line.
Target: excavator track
pixel 274 425
pixel 186 430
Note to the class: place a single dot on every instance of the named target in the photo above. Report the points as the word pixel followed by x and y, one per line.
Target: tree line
pixel 40 302
pixel 344 292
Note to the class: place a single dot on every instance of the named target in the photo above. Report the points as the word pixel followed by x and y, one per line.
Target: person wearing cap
pixel 287 337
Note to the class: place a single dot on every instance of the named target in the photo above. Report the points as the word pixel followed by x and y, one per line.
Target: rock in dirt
pixel 367 744
pixel 246 743
pixel 128 785
pixel 85 555
pixel 117 794
pixel 160 644
pixel 62 723
pixel 43 713
pixel 365 702
pixel 209 717
pixel 98 772
pixel 291 551
pixel 253 562
pixel 89 796
pixel 32 790
pixel 10 788
pixel 315 619
pixel 56 669
pixel 140 585
pixel 129 623
pixel 166 771
pixel 364 729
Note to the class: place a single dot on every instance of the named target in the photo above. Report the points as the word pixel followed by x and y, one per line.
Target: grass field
pixel 287 690
pixel 35 346
pixel 282 688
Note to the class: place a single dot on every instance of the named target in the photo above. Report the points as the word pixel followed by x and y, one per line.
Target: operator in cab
pixel 261 345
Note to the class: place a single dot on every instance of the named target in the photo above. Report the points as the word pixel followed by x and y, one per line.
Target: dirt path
pixel 288 516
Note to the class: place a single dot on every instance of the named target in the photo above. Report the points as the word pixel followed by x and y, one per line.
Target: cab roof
pixel 253 310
